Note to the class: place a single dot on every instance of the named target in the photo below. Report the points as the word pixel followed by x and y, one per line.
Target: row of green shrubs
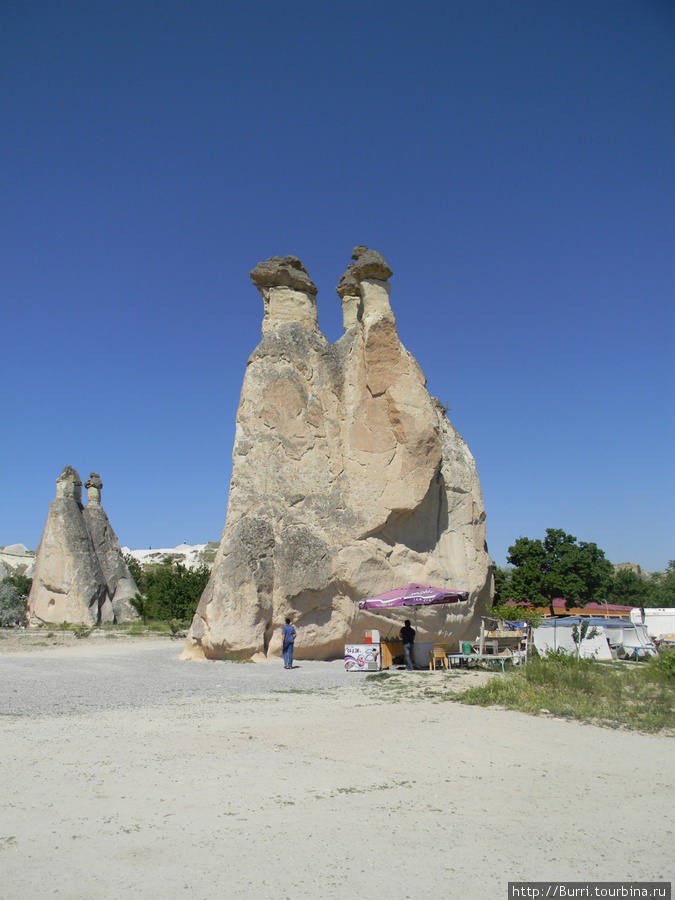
pixel 167 593
pixel 152 626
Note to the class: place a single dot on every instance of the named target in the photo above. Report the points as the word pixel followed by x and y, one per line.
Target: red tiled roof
pixel 559 603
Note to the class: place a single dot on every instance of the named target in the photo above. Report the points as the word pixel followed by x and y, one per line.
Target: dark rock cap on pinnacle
pixel 69 474
pixel 369 264
pixel 94 480
pixel 348 286
pixel 286 272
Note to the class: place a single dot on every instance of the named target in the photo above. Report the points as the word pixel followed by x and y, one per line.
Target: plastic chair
pixel 438 654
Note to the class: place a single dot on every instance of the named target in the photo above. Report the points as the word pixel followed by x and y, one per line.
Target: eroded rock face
pixel 348 480
pixel 120 585
pixel 80 574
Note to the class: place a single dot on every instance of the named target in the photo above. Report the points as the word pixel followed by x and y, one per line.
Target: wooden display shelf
pixel 390 649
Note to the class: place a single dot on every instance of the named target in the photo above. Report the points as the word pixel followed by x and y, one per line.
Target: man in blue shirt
pixel 288 632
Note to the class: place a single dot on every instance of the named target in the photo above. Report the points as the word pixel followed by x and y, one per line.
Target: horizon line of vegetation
pixel 559 566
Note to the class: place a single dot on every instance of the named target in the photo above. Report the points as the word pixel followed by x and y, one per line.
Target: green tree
pixel 136 570
pixel 12 604
pixel 558 566
pixel 583 632
pixel 173 591
pixel 139 603
pixel 502 584
pixel 21 583
pixel 663 587
pixel 629 588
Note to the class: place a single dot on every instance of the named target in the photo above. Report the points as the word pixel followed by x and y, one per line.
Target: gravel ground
pixel 130 773
pixel 80 679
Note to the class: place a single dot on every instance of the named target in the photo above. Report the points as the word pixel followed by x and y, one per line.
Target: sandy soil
pixel 128 773
pixel 13 640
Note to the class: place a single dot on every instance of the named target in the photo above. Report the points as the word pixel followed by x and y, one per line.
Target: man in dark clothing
pixel 408 638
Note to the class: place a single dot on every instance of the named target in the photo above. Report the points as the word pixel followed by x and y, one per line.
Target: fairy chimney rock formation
pixel 289 294
pixel 348 480
pixel 77 577
pixel 120 585
pixel 68 585
pixel 94 486
pixel 350 293
pixel 69 485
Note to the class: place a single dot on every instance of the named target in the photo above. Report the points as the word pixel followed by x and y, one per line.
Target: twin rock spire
pixel 347 480
pixel 289 294
pixel 80 573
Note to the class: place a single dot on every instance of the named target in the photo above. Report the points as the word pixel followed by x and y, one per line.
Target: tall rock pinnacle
pixel 120 584
pixel 80 574
pixel 348 480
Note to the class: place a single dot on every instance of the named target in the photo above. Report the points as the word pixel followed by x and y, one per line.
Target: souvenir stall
pixel 410 595
pixel 365 657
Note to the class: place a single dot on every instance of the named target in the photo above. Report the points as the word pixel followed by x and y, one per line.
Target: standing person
pixel 408 638
pixel 289 632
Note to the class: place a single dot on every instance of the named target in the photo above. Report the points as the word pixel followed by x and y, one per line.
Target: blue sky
pixel 513 161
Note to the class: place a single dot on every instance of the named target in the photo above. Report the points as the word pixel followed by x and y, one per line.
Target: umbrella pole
pixel 415 612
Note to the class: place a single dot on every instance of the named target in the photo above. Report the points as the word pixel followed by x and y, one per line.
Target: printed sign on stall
pixel 363 658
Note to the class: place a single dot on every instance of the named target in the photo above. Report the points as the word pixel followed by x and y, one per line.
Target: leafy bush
pixel 139 604
pixel 663 587
pixel 662 667
pixel 21 583
pixel 136 570
pixel 517 613
pixel 81 630
pixel 172 591
pixel 12 604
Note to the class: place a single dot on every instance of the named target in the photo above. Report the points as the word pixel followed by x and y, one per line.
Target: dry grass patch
pixel 636 696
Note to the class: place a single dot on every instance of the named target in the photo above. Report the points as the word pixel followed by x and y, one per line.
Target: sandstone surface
pixel 120 584
pixel 348 480
pixel 80 574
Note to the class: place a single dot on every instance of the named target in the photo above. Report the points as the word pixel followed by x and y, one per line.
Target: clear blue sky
pixel 514 162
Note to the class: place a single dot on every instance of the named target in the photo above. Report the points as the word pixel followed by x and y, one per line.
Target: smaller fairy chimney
pixel 371 271
pixel 69 485
pixel 94 486
pixel 288 293
pixel 350 293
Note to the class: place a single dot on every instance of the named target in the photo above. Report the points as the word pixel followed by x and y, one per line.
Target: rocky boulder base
pixel 80 573
pixel 348 480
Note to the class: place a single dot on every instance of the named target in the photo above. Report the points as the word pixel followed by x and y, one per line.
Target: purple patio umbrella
pixel 413 595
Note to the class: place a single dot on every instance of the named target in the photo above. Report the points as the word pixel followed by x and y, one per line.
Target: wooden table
pixel 389 650
pixel 458 658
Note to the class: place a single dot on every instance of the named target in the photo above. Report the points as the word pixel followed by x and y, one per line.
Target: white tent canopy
pixel 556 634
pixel 626 638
